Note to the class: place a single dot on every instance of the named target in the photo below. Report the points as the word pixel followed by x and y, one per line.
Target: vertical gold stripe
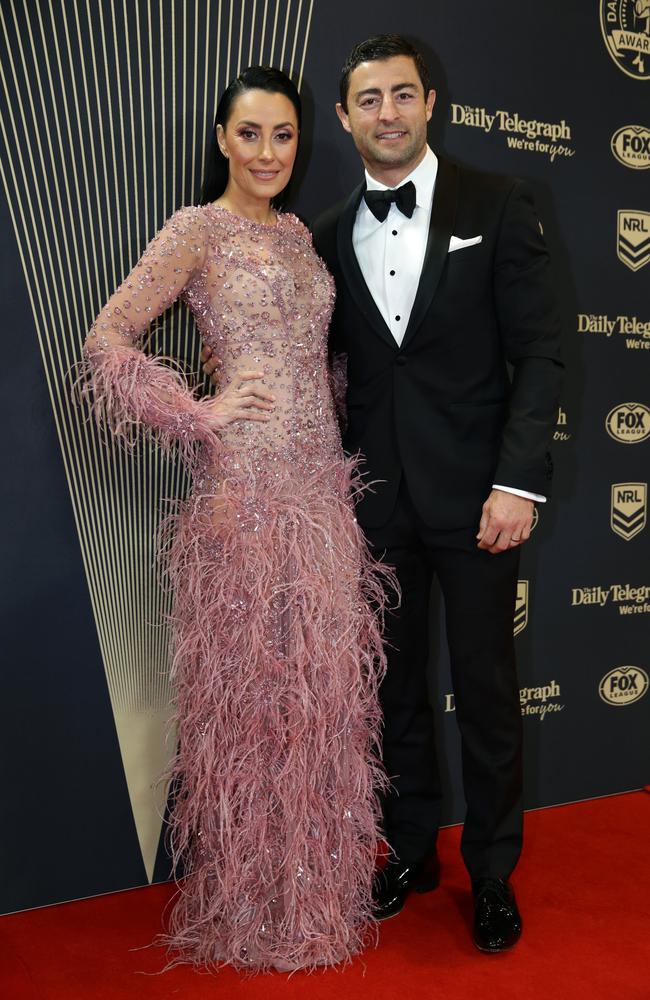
pixel 305 43
pixel 281 64
pixel 295 38
pixel 266 7
pixel 275 29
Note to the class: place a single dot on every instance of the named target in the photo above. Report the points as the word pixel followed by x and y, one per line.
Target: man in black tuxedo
pixel 443 280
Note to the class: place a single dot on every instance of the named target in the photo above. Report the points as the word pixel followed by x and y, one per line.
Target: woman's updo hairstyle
pixel 273 81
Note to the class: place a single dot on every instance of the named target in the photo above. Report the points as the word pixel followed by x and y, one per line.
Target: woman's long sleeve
pixel 130 390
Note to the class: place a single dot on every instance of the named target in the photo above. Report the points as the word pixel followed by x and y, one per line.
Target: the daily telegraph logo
pixel 521 607
pixel 623 685
pixel 626 598
pixel 535 701
pixel 634 331
pixel 530 135
pixel 629 509
pixel 628 423
pixel 631 146
pixel 625 25
pixel 633 237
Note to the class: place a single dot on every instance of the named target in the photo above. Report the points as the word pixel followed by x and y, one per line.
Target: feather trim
pixel 131 393
pixel 277 661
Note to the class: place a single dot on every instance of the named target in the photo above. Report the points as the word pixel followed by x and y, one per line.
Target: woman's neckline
pixel 244 218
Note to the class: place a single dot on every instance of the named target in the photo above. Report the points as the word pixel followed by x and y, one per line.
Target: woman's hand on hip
pixel 244 399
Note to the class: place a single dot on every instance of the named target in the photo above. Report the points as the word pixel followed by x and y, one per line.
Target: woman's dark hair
pixel 381 47
pixel 273 81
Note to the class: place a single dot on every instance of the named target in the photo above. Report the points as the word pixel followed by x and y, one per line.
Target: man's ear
pixel 343 117
pixel 431 100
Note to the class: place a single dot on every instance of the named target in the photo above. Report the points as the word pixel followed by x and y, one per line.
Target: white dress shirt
pixel 391 256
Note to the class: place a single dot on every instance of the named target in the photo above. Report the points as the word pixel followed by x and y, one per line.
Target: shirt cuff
pixel 520 493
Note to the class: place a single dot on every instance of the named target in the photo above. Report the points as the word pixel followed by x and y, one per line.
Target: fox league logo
pixel 633 237
pixel 623 685
pixel 628 423
pixel 625 25
pixel 628 510
pixel 521 607
pixel 631 146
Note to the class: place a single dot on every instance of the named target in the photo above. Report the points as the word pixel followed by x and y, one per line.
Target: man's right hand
pixel 210 363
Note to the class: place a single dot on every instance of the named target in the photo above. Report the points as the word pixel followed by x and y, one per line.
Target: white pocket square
pixel 455 243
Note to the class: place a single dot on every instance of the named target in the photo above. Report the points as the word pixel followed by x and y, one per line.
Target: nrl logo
pixel 633 238
pixel 629 507
pixel 625 25
pixel 628 422
pixel 521 607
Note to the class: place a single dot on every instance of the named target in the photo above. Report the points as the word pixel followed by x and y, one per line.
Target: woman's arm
pixel 131 391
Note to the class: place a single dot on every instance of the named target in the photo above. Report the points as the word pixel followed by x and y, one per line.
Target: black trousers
pixel 479 591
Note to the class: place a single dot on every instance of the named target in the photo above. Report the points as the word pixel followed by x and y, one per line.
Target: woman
pixel 277 654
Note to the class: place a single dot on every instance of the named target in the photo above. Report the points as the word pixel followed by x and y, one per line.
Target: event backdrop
pixel 106 110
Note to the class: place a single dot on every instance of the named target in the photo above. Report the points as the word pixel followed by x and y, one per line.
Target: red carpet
pixel 583 886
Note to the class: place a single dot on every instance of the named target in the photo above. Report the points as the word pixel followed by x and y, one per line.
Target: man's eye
pixel 368 102
pixel 404 96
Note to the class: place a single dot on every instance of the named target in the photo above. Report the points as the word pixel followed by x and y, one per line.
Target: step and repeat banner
pixel 106 109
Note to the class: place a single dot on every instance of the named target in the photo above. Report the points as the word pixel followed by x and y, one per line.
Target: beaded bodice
pixel 262 300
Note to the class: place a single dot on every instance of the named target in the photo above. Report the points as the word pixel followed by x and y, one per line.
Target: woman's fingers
pixel 250 415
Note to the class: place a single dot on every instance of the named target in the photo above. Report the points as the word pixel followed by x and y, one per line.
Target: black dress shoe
pixel 497 921
pixel 393 884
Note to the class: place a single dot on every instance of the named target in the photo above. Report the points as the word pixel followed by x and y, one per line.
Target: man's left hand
pixel 505 523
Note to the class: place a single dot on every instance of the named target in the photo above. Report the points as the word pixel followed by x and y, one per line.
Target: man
pixel 442 279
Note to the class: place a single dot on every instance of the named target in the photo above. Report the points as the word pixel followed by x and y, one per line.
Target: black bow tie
pixel 379 202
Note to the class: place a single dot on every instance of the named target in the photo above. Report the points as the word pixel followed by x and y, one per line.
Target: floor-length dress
pixel 277 651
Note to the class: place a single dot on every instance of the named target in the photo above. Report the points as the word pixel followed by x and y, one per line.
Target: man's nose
pixel 388 111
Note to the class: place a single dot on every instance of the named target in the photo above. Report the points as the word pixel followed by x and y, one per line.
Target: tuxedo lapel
pixel 351 270
pixel 441 226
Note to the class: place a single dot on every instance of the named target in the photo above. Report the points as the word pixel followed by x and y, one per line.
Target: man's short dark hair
pixel 376 48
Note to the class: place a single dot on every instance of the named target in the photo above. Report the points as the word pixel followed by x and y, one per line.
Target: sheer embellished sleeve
pixel 129 390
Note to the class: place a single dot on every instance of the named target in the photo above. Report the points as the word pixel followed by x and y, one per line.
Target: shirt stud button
pixel 391 273
pixel 394 232
pixel 398 318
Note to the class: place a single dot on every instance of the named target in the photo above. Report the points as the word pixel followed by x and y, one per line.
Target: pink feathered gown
pixel 277 653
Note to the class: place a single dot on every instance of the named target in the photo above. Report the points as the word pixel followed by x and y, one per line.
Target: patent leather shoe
pixel 497 921
pixel 398 879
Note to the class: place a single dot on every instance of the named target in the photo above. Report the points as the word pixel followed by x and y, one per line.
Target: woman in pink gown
pixel 277 652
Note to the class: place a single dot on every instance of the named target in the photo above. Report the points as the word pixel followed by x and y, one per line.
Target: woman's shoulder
pixel 297 226
pixel 188 218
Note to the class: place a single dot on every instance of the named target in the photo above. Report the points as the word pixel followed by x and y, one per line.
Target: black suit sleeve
pixel 529 323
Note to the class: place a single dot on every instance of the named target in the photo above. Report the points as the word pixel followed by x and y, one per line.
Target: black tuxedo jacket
pixel 444 410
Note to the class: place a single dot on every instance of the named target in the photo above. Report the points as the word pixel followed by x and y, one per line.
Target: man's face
pixel 387 113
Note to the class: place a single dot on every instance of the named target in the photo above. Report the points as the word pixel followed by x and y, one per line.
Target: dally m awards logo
pixel 625 25
pixel 629 509
pixel 623 685
pixel 631 146
pixel 628 422
pixel 521 607
pixel 633 237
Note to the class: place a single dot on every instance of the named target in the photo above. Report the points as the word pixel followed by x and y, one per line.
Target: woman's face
pixel 260 140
